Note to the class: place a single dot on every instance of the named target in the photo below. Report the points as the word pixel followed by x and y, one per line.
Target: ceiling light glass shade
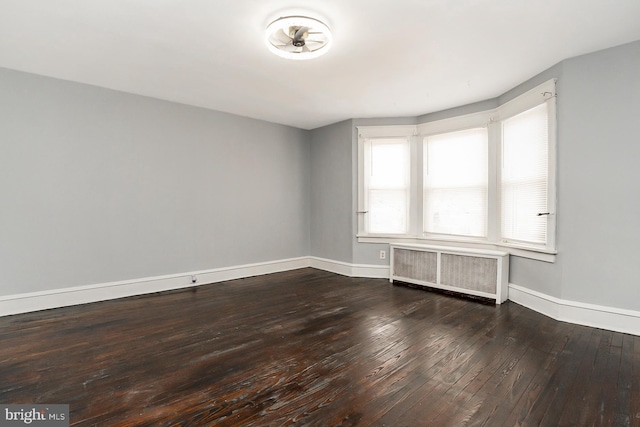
pixel 298 37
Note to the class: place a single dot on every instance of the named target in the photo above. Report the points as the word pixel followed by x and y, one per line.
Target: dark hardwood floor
pixel 308 347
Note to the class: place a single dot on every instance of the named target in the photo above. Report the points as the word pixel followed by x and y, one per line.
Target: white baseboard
pixel 350 270
pixel 597 316
pixel 610 318
pixel 35 301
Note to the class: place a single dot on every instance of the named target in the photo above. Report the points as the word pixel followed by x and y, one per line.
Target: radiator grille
pixel 478 272
pixel 469 272
pixel 420 265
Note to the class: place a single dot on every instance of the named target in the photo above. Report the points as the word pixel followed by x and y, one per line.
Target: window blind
pixel 387 182
pixel 456 183
pixel 525 140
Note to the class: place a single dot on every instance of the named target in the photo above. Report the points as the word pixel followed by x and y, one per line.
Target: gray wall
pixel 98 186
pixel 600 178
pixel 331 192
pixel 598 182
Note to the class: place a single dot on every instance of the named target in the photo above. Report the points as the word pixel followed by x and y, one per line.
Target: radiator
pixel 477 272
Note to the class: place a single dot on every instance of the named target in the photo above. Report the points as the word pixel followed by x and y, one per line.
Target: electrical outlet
pixel 383 254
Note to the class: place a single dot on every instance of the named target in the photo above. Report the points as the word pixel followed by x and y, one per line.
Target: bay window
pixel 485 179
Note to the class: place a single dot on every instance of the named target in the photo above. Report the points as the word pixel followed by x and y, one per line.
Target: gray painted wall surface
pixel 459 111
pixel 600 178
pixel 99 186
pixel 331 192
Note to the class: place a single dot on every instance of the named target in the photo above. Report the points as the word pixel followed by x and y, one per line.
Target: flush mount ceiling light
pixel 298 37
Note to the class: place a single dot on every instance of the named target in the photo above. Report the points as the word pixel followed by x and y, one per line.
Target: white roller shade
pixel 525 140
pixel 456 183
pixel 387 171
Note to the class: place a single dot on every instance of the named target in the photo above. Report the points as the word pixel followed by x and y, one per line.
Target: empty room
pixel 323 213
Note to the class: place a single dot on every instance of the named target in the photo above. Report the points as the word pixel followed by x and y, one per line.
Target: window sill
pixel 515 250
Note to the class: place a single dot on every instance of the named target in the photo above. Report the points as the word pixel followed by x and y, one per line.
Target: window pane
pixel 388 211
pixel 387 165
pixel 525 176
pixel 456 183
pixel 387 184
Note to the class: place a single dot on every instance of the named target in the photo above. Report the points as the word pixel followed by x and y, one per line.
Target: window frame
pixel 460 123
pixel 368 149
pixel 492 119
pixel 382 132
pixel 436 183
pixel 543 93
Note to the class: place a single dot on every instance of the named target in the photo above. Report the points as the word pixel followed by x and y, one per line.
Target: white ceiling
pixel 389 58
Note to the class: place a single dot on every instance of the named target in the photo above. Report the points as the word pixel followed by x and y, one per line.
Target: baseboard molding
pixel 35 301
pixel 597 316
pixel 350 270
pixel 610 318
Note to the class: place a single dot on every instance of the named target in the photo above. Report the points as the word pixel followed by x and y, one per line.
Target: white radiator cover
pixel 478 272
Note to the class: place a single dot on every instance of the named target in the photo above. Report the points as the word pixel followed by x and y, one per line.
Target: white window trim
pixel 375 132
pixel 545 92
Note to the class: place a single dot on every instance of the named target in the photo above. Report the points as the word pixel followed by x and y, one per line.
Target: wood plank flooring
pixel 308 347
